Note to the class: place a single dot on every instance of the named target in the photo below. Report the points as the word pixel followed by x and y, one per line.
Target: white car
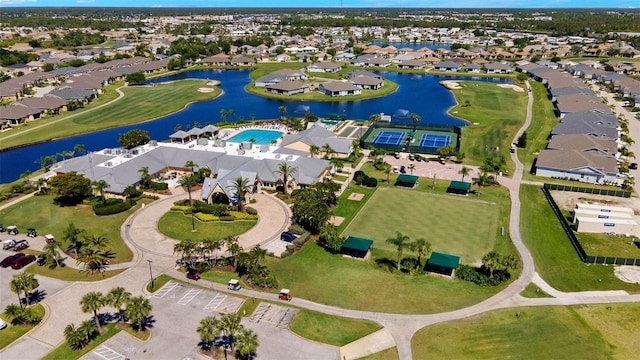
pixel 2 324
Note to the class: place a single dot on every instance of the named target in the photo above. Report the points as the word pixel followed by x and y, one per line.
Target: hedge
pixel 184 209
pixel 111 208
pixel 158 185
pixel 302 239
pixel 251 211
pixel 206 217
pixel 242 216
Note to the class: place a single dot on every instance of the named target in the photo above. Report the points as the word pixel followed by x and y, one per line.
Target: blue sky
pixel 335 3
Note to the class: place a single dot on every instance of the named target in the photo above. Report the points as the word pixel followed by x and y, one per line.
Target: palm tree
pixel 231 112
pixel 416 119
pixel 71 235
pixel 252 116
pixel 80 149
pixel 422 247
pixel 188 182
pixel 74 338
pixel 88 329
pixel 480 180
pixel 138 309
pixel 223 115
pixel 285 171
pixel 144 176
pixel 328 151
pixel 464 172
pixel 25 282
pixel 241 187
pixel 100 186
pixel 411 167
pixel 99 241
pixel 257 255
pixel 234 248
pixel 185 248
pixel 15 313
pixel 94 257
pixel 387 171
pixel 208 329
pixel 117 297
pixel 130 192
pixel 190 164
pixel 282 109
pixel 231 325
pixel 375 118
pixel 213 246
pixel 247 342
pixel 51 252
pixel 92 302
pixel 401 242
pixel 314 150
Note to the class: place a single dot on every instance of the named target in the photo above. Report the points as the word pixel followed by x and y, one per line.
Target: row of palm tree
pixel 23 282
pixel 209 249
pixel 94 251
pixel 243 340
pixel 402 242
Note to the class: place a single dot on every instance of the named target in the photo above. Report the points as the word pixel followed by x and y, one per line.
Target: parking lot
pixel 279 316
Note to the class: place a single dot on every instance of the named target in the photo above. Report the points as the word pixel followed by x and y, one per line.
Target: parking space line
pixel 107 353
pixel 231 305
pixel 286 318
pixel 189 296
pixel 260 311
pixel 219 298
pixel 165 289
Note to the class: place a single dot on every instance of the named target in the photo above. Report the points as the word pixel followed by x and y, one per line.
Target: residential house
pixel 339 88
pixel 328 67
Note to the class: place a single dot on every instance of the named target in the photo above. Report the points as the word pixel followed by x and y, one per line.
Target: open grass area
pixel 552 332
pixel 389 87
pixel 555 259
pixel 332 330
pixel 462 226
pixel 40 213
pixel 495 113
pixel 71 274
pixel 349 208
pixel 389 354
pixel 177 226
pixel 319 276
pixel 140 103
pixel 158 282
pixel 13 332
pixel 608 245
pixel 533 291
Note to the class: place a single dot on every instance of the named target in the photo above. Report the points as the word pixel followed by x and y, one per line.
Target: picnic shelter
pixel 443 264
pixel 459 187
pixel 406 180
pixel 357 247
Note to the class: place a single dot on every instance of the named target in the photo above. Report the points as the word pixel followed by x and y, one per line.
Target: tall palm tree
pixel 422 247
pixel 232 113
pixel 401 242
pixel 185 248
pixel 231 325
pixel 92 302
pixel 80 149
pixel 88 329
pixel 252 116
pixel 71 235
pixel 93 257
pixel 223 115
pixel 213 246
pixel 234 248
pixel 387 171
pixel 286 171
pixel 464 171
pixel 100 186
pixel 282 109
pixel 208 329
pixel 117 297
pixel 416 119
pixel 25 282
pixel 138 309
pixel 99 241
pixel 257 255
pixel 51 252
pixel 247 342
pixel 144 176
pixel 190 164
pixel 314 150
pixel 328 151
pixel 241 186
pixel 188 182
pixel 491 260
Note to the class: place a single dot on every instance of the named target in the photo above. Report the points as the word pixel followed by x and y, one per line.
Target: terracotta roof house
pixel 339 88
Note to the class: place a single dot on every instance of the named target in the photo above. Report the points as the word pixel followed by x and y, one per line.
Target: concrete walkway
pixel 373 343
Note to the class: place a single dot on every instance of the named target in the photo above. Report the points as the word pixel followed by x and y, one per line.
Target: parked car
pixel 21 245
pixel 41 259
pixel 3 324
pixel 234 284
pixel 31 232
pixel 633 166
pixel 12 230
pixel 6 262
pixel 287 236
pixel 403 169
pixel 22 262
pixel 193 275
pixel 8 244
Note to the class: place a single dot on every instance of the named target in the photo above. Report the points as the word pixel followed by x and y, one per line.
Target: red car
pixel 22 262
pixel 6 262
pixel 193 276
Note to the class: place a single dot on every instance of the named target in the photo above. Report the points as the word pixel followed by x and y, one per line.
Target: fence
pixel 588 190
pixel 366 143
pixel 584 257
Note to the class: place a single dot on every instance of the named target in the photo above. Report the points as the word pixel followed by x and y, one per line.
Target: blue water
pixel 261 137
pixel 420 94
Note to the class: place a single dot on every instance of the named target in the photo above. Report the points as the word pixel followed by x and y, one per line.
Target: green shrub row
pixel 482 275
pixel 158 186
pixel 360 178
pixel 112 206
pixel 302 239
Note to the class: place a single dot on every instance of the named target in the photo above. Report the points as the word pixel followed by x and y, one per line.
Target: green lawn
pixel 389 354
pixel 71 274
pixel 608 245
pixel 349 208
pixel 552 332
pixel 496 115
pixel 533 291
pixel 332 330
pixel 13 332
pixel 389 87
pixel 555 259
pixel 319 276
pixel 140 103
pixel 40 213
pixel 177 226
pixel 462 226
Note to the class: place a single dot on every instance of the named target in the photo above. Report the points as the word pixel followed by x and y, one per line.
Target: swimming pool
pixel 335 123
pixel 260 137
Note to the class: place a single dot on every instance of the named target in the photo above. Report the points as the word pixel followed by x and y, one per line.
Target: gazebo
pixel 179 136
pixel 443 264
pixel 357 247
pixel 459 187
pixel 406 180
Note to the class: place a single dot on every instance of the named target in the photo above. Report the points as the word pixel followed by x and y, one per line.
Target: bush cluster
pixel 481 276
pixel 242 216
pixel 302 239
pixel 111 206
pixel 251 211
pixel 296 229
pixel 289 251
pixel 158 186
pixel 261 276
pixel 213 209
pixel 360 178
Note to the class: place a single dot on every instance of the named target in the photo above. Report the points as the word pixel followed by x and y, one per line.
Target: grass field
pixel 319 276
pixel 71 274
pixel 462 226
pixel 389 354
pixel 552 332
pixel 608 245
pixel 140 103
pixel 498 112
pixel 555 259
pixel 332 330
pixel 13 332
pixel 177 226
pixel 40 213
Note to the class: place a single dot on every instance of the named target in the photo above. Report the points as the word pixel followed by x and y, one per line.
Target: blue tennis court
pixel 388 138
pixel 434 141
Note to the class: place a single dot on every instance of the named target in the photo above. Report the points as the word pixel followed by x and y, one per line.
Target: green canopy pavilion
pixel 442 263
pixel 357 247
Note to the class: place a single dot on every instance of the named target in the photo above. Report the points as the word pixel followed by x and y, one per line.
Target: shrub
pixel 370 182
pixel 227 218
pixel 206 217
pixel 183 208
pixel 251 211
pixel 158 186
pixel 296 229
pixel 359 176
pixel 301 240
pixel 242 216
pixel 183 202
pixel 111 207
pixel 481 275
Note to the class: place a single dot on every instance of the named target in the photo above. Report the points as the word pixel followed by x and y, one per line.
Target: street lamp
pixel 150 273
pixel 193 222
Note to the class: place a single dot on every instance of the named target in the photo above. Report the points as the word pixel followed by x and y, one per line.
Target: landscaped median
pixel 14 331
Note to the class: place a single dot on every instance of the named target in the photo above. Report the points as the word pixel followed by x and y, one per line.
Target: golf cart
pixel 2 228
pixel 284 295
pixel 31 232
pixel 234 284
pixel 12 230
pixel 49 238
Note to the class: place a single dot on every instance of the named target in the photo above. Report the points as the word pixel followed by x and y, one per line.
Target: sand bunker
pixel 213 83
pixel 205 90
pixel 336 220
pixel 356 196
pixel 452 85
pixel 628 274
pixel 514 87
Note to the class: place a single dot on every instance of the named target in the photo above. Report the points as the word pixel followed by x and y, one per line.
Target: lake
pixel 420 94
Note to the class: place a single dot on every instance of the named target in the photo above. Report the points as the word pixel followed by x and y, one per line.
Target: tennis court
pixel 434 141
pixel 389 138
